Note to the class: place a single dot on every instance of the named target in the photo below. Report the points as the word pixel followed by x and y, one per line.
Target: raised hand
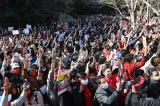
pixel 26 63
pixel 7 85
pixel 119 84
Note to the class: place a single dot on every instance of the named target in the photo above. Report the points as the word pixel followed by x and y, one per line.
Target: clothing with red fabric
pixel 122 45
pixel 97 67
pixel 88 95
pixel 9 103
pixel 140 83
pixel 129 68
pixel 112 81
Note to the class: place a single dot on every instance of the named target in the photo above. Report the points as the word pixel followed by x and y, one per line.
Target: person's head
pixel 129 58
pixel 155 74
pixel 66 63
pixel 15 68
pixel 33 71
pixel 155 61
pixel 108 72
pixel 40 74
pixel 102 59
pixel 138 72
pixel 140 85
pixel 30 91
pixel 82 77
pixel 9 57
pixel 124 52
pixel 103 67
pixel 107 47
pixel 65 50
pixel 102 83
pixel 139 57
pixel 14 91
pixel 140 45
pixel 49 50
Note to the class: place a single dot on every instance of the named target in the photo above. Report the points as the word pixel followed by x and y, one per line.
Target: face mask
pixel 44 69
pixel 157 78
pixel 16 54
pixel 84 82
pixel 105 85
pixel 49 52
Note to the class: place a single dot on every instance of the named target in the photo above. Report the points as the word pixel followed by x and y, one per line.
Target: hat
pixel 34 66
pixel 15 65
pixel 33 46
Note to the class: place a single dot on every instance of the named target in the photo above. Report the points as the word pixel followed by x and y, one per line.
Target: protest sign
pixel 10 28
pixel 26 31
pixel 63 79
pixel 15 32
pixel 28 26
pixel 144 43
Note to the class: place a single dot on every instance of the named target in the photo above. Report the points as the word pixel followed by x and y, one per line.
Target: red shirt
pixel 112 81
pixel 129 68
pixel 122 45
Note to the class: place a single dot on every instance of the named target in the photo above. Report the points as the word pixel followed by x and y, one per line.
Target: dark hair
pixel 97 56
pixel 154 61
pixel 124 52
pixel 98 79
pixel 138 73
pixel 102 59
pixel 129 57
pixel 153 70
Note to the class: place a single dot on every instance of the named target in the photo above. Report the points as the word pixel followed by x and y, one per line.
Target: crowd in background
pixel 106 61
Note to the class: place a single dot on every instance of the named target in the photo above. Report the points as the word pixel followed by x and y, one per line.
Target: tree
pixel 137 9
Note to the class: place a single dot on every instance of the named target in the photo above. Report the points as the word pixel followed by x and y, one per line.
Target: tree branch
pixel 149 5
pixel 140 13
pixel 135 5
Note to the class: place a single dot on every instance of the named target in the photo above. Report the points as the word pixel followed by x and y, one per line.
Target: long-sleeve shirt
pixel 136 99
pixel 148 65
pixel 18 102
pixel 107 97
pixel 129 68
pixel 131 43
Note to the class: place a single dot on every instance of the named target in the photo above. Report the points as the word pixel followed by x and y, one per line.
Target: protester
pixel 106 95
pixel 96 61
pixel 138 95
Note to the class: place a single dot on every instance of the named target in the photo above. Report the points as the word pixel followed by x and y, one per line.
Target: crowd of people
pixel 95 61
